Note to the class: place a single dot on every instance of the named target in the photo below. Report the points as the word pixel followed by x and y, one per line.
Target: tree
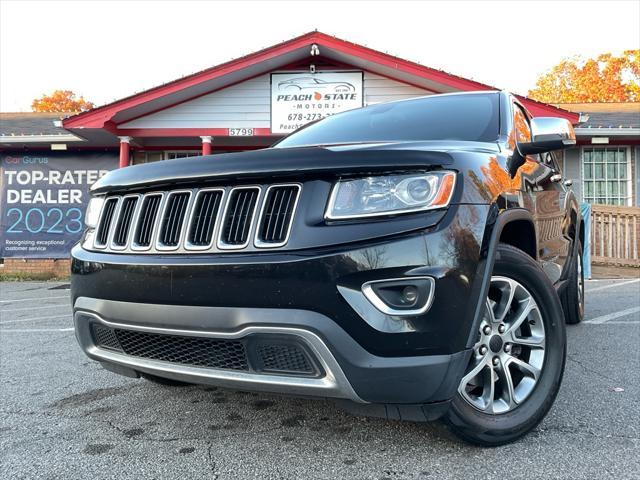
pixel 606 78
pixel 61 101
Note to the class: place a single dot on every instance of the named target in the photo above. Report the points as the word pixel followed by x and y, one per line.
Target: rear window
pixel 472 118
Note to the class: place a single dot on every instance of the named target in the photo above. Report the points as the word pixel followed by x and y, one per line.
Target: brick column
pixel 124 151
pixel 206 145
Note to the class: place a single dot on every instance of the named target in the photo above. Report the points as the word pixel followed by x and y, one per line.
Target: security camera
pixel 314 50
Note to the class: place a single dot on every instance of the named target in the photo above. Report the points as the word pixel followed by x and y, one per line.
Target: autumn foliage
pixel 61 101
pixel 606 78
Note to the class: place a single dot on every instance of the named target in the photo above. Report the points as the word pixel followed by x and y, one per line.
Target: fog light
pixel 410 294
pixel 401 296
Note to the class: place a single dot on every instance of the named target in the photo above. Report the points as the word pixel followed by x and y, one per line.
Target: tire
pixel 488 413
pixel 573 296
pixel 167 382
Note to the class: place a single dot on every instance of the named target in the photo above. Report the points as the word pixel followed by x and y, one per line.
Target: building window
pixel 180 154
pixel 157 156
pixel 138 157
pixel 606 176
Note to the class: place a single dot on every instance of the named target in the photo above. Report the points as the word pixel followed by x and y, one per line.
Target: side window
pixel 551 161
pixel 521 123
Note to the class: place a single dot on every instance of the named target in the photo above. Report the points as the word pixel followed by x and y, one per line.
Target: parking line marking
pixel 26 330
pixel 624 322
pixel 628 282
pixel 35 308
pixel 22 320
pixel 612 316
pixel 35 298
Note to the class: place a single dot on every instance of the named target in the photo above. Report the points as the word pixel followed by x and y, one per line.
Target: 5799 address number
pixel 241 132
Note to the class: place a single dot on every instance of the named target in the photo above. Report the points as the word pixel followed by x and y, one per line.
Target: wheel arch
pixel 520 233
pixel 497 221
pixel 576 233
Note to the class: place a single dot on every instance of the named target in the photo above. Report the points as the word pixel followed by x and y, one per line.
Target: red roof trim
pixel 97 117
pixel 94 118
pixel 540 109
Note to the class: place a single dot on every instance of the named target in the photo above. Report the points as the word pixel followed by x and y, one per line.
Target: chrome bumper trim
pixel 334 384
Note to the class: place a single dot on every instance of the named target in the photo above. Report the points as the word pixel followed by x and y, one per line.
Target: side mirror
pixel 547 134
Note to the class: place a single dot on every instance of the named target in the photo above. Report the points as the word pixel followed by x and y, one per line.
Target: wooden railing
pixel 615 235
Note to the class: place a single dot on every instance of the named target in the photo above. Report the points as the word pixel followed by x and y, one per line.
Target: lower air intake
pixel 105 337
pixel 261 355
pixel 283 358
pixel 200 352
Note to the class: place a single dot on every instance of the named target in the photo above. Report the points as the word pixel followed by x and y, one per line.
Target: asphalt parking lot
pixel 63 416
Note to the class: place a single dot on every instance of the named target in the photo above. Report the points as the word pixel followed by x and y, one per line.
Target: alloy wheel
pixel 508 357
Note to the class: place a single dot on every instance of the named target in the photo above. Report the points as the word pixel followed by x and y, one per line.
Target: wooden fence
pixel 615 235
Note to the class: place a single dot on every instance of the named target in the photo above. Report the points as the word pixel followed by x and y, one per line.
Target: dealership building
pixel 249 103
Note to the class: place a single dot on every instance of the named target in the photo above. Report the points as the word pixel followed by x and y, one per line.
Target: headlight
pixel 92 214
pixel 390 194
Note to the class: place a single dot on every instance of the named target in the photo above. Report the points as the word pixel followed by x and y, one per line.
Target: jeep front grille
pixel 199 220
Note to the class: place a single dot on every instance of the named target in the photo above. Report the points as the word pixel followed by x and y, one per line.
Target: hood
pixel 283 163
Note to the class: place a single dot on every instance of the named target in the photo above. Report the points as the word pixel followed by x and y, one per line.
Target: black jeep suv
pixel 410 259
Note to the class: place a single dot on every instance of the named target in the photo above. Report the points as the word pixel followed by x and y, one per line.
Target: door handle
pixel 556 178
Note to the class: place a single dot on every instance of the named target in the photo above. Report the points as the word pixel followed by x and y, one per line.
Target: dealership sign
pixel 300 98
pixel 43 199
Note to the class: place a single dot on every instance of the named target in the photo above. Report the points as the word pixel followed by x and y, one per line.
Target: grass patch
pixel 26 277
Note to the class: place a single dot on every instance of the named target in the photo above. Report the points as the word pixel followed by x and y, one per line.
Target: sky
pixel 106 50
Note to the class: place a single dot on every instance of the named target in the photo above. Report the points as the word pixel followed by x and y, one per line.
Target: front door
pixel 541 185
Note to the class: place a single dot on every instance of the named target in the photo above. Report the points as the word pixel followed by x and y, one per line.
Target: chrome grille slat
pixel 277 214
pixel 244 224
pixel 124 221
pixel 204 217
pixel 146 220
pixel 234 221
pixel 284 213
pixel 210 212
pixel 238 217
pixel 106 220
pixel 270 216
pixel 173 219
pixel 199 220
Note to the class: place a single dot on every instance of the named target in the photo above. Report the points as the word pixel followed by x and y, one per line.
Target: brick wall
pixel 37 267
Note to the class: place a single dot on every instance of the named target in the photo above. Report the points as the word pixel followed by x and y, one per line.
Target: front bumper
pixel 298 295
pixel 347 370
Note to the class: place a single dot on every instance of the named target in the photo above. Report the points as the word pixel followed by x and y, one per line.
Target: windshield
pixel 471 117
